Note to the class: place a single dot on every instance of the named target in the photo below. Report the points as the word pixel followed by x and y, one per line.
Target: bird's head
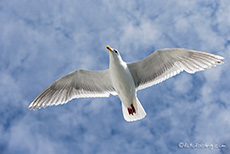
pixel 114 54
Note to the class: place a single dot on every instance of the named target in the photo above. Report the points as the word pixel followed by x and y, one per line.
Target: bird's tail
pixel 134 112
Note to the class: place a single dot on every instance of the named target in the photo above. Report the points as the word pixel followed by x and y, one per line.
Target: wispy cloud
pixel 41 41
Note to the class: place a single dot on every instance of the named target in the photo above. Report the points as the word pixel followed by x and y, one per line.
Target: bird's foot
pixel 131 110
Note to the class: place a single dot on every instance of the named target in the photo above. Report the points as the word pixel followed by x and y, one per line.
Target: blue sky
pixel 40 41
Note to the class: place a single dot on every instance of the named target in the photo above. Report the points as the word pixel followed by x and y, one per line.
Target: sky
pixel 41 41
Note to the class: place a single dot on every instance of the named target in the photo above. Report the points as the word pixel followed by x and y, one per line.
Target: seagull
pixel 125 79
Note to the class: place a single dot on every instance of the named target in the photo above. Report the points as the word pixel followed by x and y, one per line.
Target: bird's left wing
pixel 80 83
pixel 165 63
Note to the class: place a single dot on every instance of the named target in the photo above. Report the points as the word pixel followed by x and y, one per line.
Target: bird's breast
pixel 123 82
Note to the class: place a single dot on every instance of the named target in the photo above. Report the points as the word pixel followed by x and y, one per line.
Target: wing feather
pixel 80 83
pixel 165 63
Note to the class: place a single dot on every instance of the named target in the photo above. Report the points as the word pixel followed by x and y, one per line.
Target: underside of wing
pixel 80 83
pixel 165 63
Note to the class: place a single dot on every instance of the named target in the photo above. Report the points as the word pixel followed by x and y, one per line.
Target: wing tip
pixel 31 106
pixel 35 106
pixel 219 62
pixel 219 57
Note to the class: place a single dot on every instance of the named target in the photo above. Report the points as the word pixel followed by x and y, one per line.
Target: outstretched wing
pixel 165 63
pixel 80 83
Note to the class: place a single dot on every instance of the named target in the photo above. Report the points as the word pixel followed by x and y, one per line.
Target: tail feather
pixel 135 112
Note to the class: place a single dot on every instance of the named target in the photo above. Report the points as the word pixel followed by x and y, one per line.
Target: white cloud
pixel 183 84
pixel 41 41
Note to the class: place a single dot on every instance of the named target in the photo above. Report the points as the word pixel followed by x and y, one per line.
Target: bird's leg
pixel 131 110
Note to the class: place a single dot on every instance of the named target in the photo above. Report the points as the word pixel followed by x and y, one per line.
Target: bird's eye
pixel 116 51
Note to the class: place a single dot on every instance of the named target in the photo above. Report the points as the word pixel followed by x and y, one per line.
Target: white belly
pixel 123 83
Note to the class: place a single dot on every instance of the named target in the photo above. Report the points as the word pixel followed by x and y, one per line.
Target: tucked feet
pixel 131 110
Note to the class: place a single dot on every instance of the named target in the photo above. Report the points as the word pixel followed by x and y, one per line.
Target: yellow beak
pixel 110 49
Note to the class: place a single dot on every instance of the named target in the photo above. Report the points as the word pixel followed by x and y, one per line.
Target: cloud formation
pixel 41 41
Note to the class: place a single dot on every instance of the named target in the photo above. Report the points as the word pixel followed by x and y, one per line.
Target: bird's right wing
pixel 165 63
pixel 80 83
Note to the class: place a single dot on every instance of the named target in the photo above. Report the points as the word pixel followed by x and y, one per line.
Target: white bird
pixel 124 79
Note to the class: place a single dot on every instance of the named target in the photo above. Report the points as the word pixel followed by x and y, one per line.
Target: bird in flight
pixel 124 79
